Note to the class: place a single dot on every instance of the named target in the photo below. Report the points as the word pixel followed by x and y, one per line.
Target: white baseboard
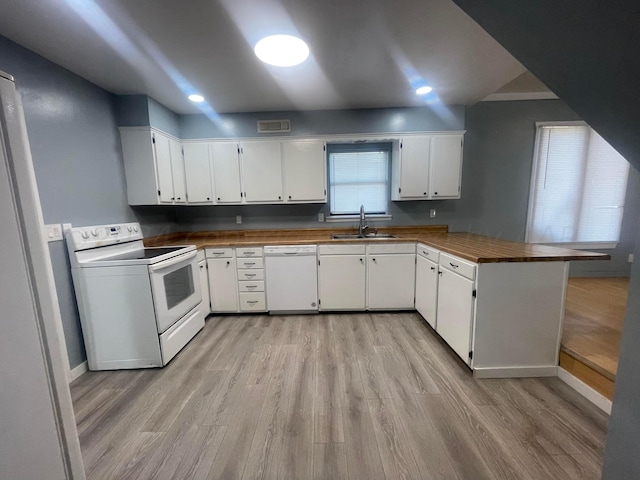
pixel 77 371
pixel 515 372
pixel 585 390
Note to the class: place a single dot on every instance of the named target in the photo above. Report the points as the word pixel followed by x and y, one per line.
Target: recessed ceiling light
pixel 281 50
pixel 196 98
pixel 424 90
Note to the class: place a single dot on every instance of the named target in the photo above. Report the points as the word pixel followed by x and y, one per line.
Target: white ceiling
pixel 364 53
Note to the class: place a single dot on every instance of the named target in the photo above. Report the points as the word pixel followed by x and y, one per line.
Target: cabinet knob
pixel 289 197
pixel 435 193
pixel 373 259
pixel 218 198
pixel 361 260
pixel 173 198
pixel 179 198
pixel 201 267
pixel 433 268
pixel 279 197
pixel 424 193
pixel 228 263
pixel 208 198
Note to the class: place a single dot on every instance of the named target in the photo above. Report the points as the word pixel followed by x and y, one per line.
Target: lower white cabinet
pixel 342 277
pixel 391 276
pixel 223 284
pixel 205 306
pixel 455 312
pixel 427 273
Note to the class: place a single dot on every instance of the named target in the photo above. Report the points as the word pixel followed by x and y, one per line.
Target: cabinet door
pixel 162 152
pixel 262 171
pixel 223 284
pixel 414 168
pixel 341 282
pixel 177 172
pixel 226 172
pixel 303 170
pixel 446 166
pixel 427 289
pixel 204 284
pixel 391 281
pixel 455 312
pixel 197 169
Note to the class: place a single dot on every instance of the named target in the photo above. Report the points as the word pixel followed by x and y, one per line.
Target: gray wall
pixel 496 176
pixel 326 122
pixel 78 163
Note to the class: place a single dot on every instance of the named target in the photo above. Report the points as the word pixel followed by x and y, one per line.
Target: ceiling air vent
pixel 274 126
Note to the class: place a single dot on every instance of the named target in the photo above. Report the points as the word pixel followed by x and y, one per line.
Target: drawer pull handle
pixel 252 302
pixel 248 253
pixel 249 274
pixel 249 264
pixel 454 265
pixel 252 286
pixel 426 253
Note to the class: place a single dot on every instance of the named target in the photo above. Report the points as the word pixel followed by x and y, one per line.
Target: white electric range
pixel 138 306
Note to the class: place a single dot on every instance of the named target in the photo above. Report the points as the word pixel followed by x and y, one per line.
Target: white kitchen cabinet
pixel 205 306
pixel 445 167
pixel 391 276
pixel 427 167
pixel 411 169
pixel 197 167
pixel 223 284
pixel 225 161
pixel 342 277
pixel 304 171
pixel 456 312
pixel 262 171
pixel 154 167
pixel 427 288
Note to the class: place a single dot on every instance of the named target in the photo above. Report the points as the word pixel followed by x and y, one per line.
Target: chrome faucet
pixel 362 227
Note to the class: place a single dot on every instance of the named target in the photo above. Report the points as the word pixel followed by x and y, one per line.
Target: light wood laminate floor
pixel 594 315
pixel 357 396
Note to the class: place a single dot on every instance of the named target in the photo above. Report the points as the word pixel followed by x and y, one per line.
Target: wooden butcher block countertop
pixel 469 246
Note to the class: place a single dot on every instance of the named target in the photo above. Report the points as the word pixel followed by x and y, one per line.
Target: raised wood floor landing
pixel 330 397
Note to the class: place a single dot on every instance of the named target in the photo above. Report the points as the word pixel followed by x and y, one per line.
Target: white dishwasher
pixel 291 274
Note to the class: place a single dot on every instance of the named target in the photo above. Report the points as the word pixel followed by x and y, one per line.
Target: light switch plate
pixel 54 232
pixel 321 217
pixel 631 258
pixel 238 219
pixel 432 213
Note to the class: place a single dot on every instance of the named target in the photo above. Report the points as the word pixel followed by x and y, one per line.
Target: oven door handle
pixel 172 261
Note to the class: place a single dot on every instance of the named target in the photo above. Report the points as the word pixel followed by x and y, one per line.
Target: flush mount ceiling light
pixel 196 98
pixel 281 50
pixel 424 90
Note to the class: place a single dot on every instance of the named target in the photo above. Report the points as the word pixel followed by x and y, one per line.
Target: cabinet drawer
pixel 250 263
pixel 244 274
pixel 219 252
pixel 428 252
pixel 392 248
pixel 253 302
pixel 455 264
pixel 249 252
pixel 251 286
pixel 341 249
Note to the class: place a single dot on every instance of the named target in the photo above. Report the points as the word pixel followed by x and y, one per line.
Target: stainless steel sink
pixel 369 236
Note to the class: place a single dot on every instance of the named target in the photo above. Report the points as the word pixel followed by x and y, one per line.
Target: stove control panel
pixel 84 238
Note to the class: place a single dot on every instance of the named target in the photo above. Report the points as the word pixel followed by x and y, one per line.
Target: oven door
pixel 175 284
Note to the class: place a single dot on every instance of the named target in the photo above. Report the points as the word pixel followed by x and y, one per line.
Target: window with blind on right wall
pixel 578 188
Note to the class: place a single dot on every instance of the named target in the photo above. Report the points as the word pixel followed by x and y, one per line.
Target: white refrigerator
pixel 38 436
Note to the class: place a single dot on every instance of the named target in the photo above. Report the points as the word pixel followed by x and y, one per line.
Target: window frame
pixel 374 146
pixel 597 245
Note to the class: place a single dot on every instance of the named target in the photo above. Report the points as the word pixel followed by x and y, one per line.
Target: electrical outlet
pixel 321 217
pixel 238 219
pixel 432 213
pixel 630 258
pixel 54 232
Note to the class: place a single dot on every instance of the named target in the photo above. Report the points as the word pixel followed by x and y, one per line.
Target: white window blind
pixel 358 178
pixel 578 187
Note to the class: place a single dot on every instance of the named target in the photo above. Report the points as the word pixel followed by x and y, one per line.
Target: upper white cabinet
pixel 304 171
pixel 154 167
pixel 225 158
pixel 197 167
pixel 262 171
pixel 427 167
pixel 445 166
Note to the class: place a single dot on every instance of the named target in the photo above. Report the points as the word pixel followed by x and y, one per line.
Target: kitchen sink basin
pixel 369 236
